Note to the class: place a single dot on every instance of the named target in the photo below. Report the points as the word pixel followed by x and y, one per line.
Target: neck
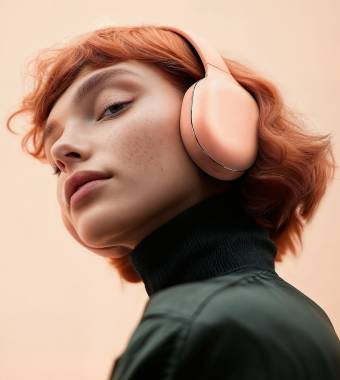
pixel 211 238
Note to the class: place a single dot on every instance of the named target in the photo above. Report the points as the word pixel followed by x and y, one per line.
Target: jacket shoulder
pixel 261 293
pixel 187 300
pixel 249 324
pixel 258 301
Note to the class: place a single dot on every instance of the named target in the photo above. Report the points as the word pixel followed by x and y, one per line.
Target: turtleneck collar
pixel 211 238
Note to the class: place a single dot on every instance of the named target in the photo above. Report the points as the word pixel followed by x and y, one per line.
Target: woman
pixel 106 111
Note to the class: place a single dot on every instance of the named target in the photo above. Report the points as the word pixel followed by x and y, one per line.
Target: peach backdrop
pixel 64 314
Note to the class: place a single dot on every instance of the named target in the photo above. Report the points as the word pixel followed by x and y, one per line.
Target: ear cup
pixel 219 118
pixel 218 126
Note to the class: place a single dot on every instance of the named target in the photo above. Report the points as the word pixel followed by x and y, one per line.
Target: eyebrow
pixel 84 89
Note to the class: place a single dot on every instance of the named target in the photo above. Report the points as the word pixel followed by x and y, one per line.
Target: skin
pixel 139 145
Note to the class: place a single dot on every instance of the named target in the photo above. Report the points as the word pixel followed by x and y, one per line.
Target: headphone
pixel 219 117
pixel 218 124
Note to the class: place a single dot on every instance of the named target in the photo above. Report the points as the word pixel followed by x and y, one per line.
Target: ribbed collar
pixel 211 238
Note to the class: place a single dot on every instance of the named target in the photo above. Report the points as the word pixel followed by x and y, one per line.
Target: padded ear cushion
pixel 113 251
pixel 219 120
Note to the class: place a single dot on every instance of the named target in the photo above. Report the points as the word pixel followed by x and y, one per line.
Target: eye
pixel 113 106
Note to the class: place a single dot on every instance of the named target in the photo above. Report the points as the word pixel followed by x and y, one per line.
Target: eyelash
pixel 56 170
pixel 112 105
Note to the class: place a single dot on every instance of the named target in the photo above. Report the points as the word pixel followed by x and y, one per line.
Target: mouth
pixel 83 192
pixel 82 180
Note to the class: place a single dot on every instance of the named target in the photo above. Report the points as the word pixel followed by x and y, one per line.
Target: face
pixel 137 143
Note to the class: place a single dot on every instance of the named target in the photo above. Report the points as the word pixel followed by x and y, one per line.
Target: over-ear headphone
pixel 219 117
pixel 218 124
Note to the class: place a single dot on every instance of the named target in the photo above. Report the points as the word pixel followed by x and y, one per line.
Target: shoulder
pixel 227 326
pixel 170 346
pixel 258 300
pixel 230 295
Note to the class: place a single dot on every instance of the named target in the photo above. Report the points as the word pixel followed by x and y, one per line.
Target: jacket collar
pixel 211 238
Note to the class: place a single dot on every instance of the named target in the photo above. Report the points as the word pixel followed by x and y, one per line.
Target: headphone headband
pixel 208 54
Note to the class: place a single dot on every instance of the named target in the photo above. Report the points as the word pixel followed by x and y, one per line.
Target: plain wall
pixel 64 314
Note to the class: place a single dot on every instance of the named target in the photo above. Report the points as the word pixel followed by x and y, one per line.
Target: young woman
pixel 111 113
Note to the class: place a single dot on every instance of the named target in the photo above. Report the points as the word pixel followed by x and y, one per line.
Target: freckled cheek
pixel 139 151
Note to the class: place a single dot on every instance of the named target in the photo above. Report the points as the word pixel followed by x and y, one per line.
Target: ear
pixel 114 251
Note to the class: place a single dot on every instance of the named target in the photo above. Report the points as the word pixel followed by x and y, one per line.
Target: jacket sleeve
pixel 169 348
pixel 152 351
pixel 230 350
pixel 224 351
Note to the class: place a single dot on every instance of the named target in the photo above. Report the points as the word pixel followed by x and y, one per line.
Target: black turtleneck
pixel 211 238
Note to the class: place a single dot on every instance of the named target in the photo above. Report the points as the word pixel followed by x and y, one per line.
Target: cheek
pixel 144 141
pixel 146 145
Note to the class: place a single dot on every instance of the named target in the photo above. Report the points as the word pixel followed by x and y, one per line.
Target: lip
pixel 84 190
pixel 79 179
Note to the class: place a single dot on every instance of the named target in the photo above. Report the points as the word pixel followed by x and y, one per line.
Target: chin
pixel 99 228
pixel 96 234
pixel 91 235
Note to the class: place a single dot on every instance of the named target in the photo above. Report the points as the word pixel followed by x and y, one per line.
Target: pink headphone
pixel 218 123
pixel 219 117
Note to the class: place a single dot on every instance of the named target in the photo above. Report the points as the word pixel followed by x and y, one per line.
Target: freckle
pixel 139 150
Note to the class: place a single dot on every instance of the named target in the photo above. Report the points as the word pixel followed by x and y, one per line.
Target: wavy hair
pixel 284 187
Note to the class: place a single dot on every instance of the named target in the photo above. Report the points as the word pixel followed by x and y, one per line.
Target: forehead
pixel 88 79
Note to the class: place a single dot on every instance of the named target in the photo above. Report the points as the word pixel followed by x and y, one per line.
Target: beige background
pixel 63 312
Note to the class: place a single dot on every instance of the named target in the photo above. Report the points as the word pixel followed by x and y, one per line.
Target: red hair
pixel 284 187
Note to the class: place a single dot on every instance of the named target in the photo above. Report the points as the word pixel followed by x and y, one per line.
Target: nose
pixel 66 161
pixel 72 145
pixel 66 154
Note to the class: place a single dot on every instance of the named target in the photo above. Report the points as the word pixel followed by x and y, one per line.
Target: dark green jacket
pixel 222 311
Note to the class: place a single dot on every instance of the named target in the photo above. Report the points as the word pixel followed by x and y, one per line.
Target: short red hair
pixel 284 187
